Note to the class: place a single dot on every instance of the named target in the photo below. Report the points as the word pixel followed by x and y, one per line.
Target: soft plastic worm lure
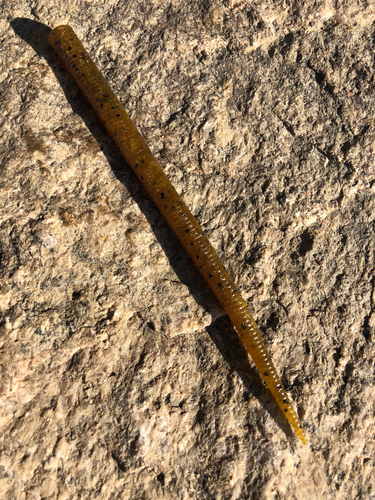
pixel 139 157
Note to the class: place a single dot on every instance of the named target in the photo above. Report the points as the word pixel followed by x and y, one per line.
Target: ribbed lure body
pixel 137 154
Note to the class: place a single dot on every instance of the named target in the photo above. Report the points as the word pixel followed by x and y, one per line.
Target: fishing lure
pixel 137 154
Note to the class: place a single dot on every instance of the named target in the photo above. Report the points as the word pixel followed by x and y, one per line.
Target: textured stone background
pixel 121 376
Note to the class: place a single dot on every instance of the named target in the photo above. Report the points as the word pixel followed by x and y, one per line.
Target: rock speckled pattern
pixel 121 377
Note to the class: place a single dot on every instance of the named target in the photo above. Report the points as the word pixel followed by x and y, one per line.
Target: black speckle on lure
pixel 137 154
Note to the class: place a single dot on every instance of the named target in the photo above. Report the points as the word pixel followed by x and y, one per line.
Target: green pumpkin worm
pixel 137 154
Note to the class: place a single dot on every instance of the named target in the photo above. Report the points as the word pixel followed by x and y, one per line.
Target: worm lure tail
pixel 137 154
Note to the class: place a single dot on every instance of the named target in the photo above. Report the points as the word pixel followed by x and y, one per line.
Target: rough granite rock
pixel 121 376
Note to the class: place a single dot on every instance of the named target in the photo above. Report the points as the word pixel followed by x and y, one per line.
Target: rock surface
pixel 121 377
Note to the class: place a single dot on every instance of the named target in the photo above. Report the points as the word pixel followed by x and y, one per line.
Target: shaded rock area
pixel 121 377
